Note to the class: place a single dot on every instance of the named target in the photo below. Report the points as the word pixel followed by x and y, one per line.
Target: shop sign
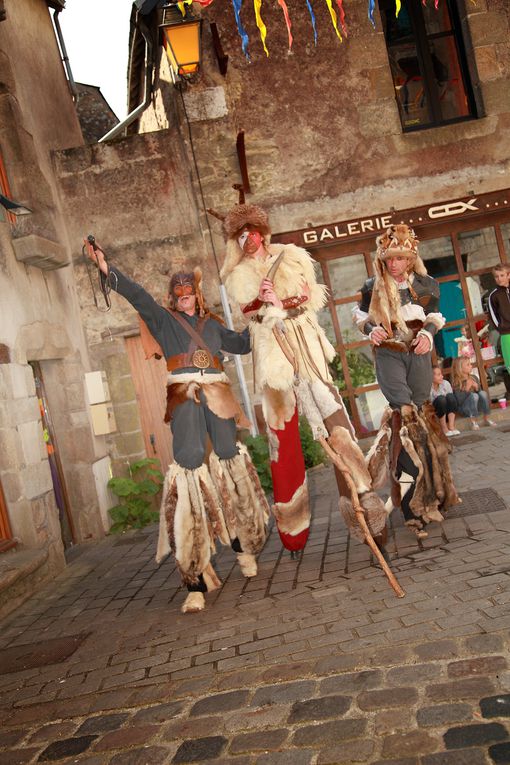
pixel 361 227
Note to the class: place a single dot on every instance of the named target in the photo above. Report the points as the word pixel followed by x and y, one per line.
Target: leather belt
pixel 183 360
pixel 292 313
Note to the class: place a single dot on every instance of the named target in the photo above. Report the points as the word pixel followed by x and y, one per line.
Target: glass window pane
pixel 479 249
pixel 451 92
pixel 408 82
pixel 347 275
pixel 505 233
pixel 350 332
pixel 397 29
pixel 436 19
pixel 438 256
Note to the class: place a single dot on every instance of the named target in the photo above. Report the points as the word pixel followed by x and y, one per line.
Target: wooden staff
pixel 360 516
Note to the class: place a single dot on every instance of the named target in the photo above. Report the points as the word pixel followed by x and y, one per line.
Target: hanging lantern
pixel 181 39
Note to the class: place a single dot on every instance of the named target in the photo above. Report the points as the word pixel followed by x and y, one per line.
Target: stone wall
pixel 39 312
pixel 323 135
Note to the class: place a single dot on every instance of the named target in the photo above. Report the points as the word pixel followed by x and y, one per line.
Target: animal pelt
pixel 245 506
pixel 278 407
pixel 293 516
pixel 441 446
pixel 218 395
pixel 378 456
pixel 375 515
pixel 191 519
pixel 434 491
pixel 343 444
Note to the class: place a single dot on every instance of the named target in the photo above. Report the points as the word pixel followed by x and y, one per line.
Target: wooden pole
pixel 360 516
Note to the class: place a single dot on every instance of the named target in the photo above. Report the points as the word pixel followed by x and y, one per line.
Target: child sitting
pixel 444 401
pixel 470 398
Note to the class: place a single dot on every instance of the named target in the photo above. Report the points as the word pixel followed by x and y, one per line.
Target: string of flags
pixel 337 16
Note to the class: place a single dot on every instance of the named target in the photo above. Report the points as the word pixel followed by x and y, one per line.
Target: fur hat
pixel 398 239
pixel 245 216
pixel 194 278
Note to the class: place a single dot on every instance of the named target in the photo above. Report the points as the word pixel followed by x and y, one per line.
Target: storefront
pixel 460 241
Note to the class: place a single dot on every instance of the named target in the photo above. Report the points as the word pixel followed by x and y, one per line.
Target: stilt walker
pixel 202 502
pixel 276 288
pixel 399 312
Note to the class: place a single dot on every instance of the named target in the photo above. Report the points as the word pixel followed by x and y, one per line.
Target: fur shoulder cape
pixel 296 267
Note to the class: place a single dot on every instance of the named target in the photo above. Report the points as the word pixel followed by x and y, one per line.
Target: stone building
pixel 49 454
pixel 405 121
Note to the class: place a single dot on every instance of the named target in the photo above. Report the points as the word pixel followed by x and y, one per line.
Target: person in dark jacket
pixel 499 311
pixel 201 502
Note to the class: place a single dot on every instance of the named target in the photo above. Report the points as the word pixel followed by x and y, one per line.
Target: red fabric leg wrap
pixel 288 475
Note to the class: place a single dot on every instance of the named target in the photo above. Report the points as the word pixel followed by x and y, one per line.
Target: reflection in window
pixel 347 275
pixel 438 256
pixel 427 63
pixel 479 249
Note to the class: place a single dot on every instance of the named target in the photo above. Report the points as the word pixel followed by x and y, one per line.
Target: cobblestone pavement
pixel 313 661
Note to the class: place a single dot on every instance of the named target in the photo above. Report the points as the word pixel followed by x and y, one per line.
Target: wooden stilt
pixel 360 516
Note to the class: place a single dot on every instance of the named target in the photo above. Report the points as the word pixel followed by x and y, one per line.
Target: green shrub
pixel 259 452
pixel 137 496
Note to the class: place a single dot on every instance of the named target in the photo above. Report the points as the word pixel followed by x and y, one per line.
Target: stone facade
pixel 39 312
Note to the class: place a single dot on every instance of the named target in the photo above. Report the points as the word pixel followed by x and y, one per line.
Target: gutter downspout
pixel 65 57
pixel 132 116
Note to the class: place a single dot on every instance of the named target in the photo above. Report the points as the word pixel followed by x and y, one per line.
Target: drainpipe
pixel 65 57
pixel 132 116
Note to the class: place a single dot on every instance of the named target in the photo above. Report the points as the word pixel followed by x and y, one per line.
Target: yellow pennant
pixel 333 18
pixel 262 27
pixel 398 6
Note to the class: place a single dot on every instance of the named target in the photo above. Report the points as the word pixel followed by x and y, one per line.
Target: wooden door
pixel 149 379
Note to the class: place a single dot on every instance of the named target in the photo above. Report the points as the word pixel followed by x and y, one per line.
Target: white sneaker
pixel 451 433
pixel 475 426
pixel 194 602
pixel 491 423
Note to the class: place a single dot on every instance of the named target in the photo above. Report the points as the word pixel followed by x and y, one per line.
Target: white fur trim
pixel 412 311
pixel 273 315
pixel 436 319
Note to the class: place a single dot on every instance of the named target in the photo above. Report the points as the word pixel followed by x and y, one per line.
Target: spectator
pixel 444 401
pixel 471 400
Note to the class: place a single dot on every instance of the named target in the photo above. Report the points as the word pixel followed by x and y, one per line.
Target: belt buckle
pixel 200 359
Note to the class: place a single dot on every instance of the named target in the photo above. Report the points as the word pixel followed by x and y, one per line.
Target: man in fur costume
pixel 277 290
pixel 201 502
pixel 399 312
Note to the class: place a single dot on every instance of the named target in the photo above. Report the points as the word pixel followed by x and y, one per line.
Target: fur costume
pixel 309 345
pixel 245 507
pixel 191 519
pixel 224 501
pixel 418 433
pixel 217 391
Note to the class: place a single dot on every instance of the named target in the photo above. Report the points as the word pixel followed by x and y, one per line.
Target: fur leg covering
pixel 342 443
pixel 378 457
pixel 191 519
pixel 247 564
pixel 244 502
pixel 194 603
pixel 293 516
pixel 434 490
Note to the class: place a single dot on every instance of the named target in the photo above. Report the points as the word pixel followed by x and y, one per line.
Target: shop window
pixel 428 63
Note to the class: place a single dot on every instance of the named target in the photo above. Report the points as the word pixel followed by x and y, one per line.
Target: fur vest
pixel 303 333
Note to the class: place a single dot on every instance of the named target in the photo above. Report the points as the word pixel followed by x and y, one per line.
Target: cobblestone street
pixel 313 661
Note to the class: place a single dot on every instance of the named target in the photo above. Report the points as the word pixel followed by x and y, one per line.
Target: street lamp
pixel 15 208
pixel 181 38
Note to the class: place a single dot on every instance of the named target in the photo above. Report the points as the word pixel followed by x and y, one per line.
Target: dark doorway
pixel 57 474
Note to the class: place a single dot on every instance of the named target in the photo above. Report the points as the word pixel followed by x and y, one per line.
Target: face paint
pixel 183 289
pixel 250 241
